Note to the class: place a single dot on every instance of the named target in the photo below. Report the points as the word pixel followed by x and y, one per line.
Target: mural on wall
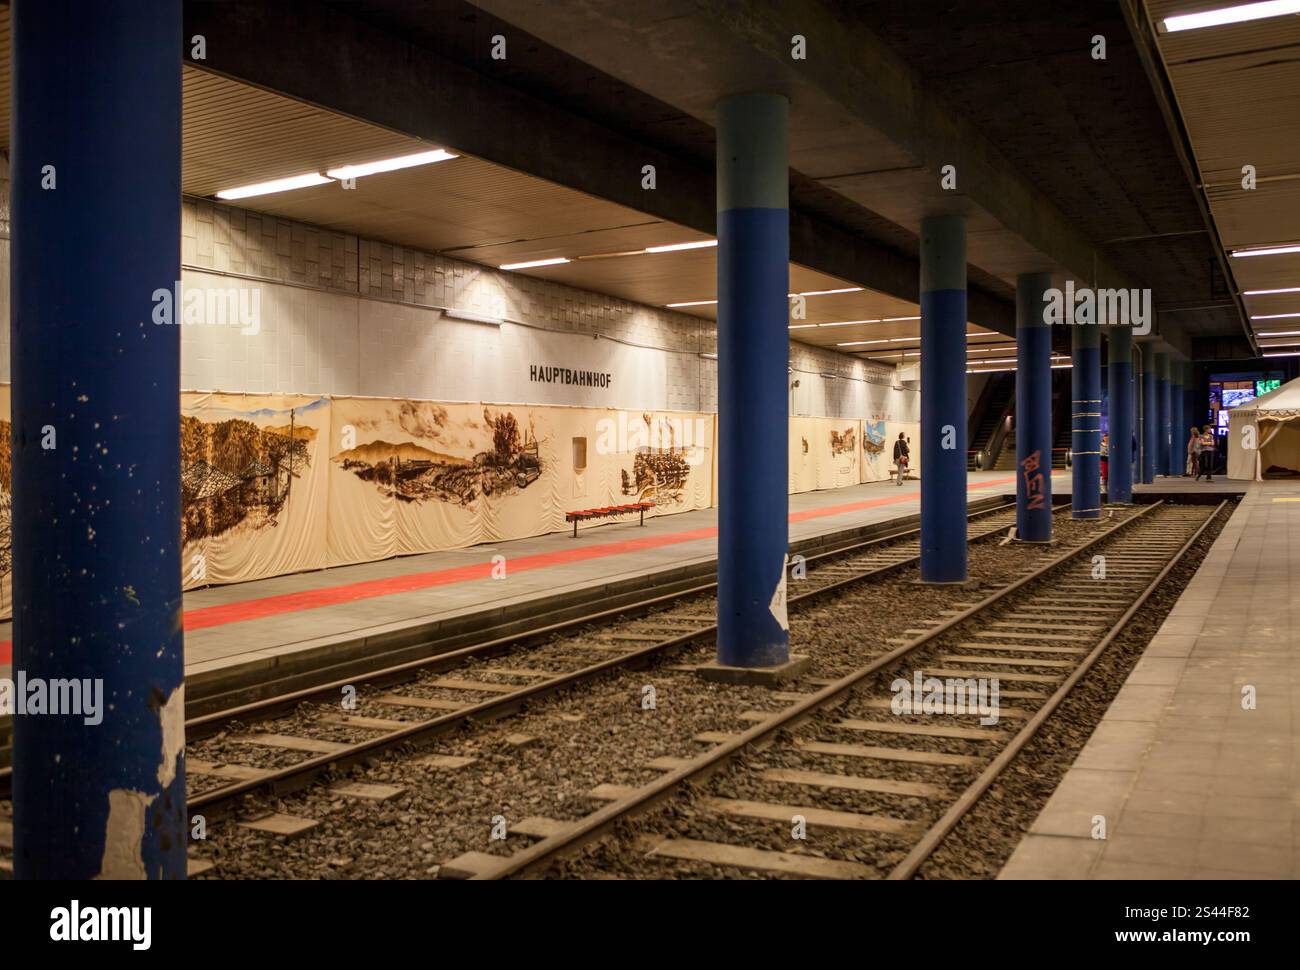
pixel 876 452
pixel 411 472
pixel 661 468
pixel 236 474
pixel 252 485
pixel 824 453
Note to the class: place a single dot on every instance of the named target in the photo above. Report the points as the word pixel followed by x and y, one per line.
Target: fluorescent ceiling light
pixel 533 263
pixel 899 340
pixel 1267 251
pixel 896 319
pixel 389 164
pixel 1231 15
pixel 861 343
pixel 1289 289
pixel 275 185
pixel 846 323
pixel 1277 333
pixel 1274 316
pixel 673 306
pixel 472 317
pixel 1289 353
pixel 675 247
pixel 847 289
pixel 709 356
pixel 801 326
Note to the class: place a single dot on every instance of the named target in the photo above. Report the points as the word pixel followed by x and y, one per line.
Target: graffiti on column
pixel 1029 470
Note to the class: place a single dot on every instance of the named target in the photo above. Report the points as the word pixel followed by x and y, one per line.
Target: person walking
pixel 1105 460
pixel 901 455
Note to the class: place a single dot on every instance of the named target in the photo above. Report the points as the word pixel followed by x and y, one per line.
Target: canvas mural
pixel 252 485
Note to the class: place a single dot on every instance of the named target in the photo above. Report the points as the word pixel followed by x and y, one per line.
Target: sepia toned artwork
pixel 412 472
pixel 252 485
pixel 660 470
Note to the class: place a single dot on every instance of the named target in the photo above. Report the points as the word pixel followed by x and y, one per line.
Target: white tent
pixel 1265 433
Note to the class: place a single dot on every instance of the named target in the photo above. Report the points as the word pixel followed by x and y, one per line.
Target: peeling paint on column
pixel 172 720
pixel 124 835
pixel 777 606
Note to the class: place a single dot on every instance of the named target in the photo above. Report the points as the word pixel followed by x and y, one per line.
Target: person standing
pixel 901 455
pixel 1105 460
pixel 1191 465
pixel 1207 454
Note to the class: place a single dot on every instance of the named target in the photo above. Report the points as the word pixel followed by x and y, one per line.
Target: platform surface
pixel 1190 783
pixel 232 625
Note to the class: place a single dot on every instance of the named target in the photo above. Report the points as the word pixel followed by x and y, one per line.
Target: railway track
pixel 437 656
pixel 1039 636
pixel 420 702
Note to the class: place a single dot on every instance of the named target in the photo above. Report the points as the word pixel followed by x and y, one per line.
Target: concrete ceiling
pixel 1236 89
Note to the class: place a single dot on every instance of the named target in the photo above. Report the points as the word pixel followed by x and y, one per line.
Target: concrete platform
pixel 1192 785
pixel 303 621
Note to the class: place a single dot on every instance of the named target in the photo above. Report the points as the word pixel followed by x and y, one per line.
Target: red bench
pixel 605 513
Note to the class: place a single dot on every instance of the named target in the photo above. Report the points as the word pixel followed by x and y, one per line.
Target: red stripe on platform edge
pixel 266 606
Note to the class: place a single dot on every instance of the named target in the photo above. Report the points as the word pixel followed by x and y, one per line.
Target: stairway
pixel 995 410
pixel 1007 456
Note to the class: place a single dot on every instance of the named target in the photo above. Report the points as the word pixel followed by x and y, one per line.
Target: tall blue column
pixel 1119 371
pixel 943 399
pixel 1085 424
pixel 1150 422
pixel 1033 410
pixel 1177 427
pixel 1164 427
pixel 753 356
pixel 96 437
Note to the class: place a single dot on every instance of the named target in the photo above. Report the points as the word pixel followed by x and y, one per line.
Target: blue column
pixel 1177 426
pixel 943 399
pixel 1119 371
pixel 96 436
pixel 1150 422
pixel 1033 410
pixel 1164 427
pixel 753 356
pixel 1085 423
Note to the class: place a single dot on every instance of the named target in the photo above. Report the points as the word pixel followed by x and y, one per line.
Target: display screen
pixel 1233 396
pixel 1222 427
pixel 1263 387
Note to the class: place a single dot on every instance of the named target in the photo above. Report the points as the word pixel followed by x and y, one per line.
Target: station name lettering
pixel 539 373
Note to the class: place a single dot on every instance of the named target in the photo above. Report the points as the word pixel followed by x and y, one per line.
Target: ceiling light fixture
pixel 897 319
pixel 1289 289
pixel 389 164
pixel 677 247
pixel 275 185
pixel 1274 316
pixel 1266 251
pixel 534 263
pixel 1239 13
pixel 802 326
pixel 861 343
pixel 674 306
pixel 1289 353
pixel 846 323
pixel 1277 333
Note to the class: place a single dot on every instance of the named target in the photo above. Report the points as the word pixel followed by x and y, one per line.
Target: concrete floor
pixel 1191 784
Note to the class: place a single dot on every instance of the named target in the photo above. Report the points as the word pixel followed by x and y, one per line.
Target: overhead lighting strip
pixel 1236 14
pixel 308 179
